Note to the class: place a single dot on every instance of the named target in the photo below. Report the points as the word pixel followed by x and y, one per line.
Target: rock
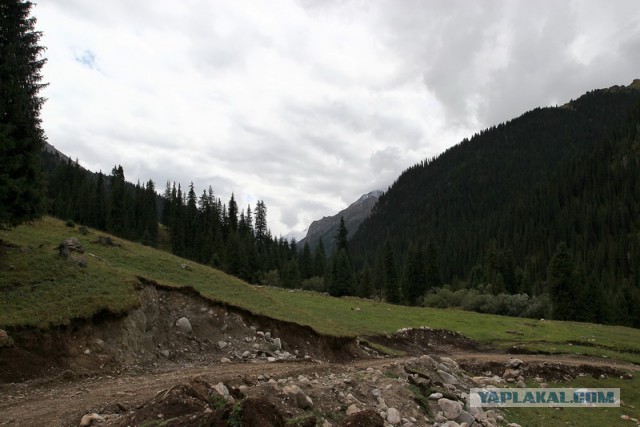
pixel 271 359
pixel 366 418
pixel 5 339
pixel 451 424
pixel 450 363
pixel 352 409
pixel 88 419
pixel 183 325
pixel 246 354
pixel 393 416
pixel 511 374
pixel 87 352
pixel 225 360
pixel 223 391
pixel 267 335
pixel 106 241
pixel 298 397
pixel 514 363
pixel 521 384
pixel 465 417
pixel 165 353
pixel 447 378
pixel 435 396
pixel 451 408
pixel 277 343
pixel 222 344
pixel 382 405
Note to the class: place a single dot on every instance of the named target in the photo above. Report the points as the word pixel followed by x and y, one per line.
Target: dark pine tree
pixel 414 278
pixel 390 276
pixel 562 286
pixel 21 137
pixel 319 260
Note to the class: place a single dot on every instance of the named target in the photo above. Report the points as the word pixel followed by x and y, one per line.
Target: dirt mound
pixel 171 326
pixel 546 371
pixel 418 341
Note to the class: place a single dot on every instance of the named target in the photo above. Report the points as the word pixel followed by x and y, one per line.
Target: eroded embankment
pixel 170 325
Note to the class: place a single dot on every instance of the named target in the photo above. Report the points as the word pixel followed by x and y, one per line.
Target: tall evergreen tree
pixel 319 260
pixel 341 237
pixel 21 137
pixel 562 286
pixel 414 278
pixel 391 285
pixel 306 262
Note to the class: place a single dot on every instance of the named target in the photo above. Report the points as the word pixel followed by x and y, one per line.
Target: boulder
pixel 184 325
pixel 277 343
pixel 353 409
pixel 514 363
pixel 298 397
pixel 465 417
pixel 451 408
pixel 88 419
pixel 5 339
pixel 447 378
pixel 69 245
pixel 393 416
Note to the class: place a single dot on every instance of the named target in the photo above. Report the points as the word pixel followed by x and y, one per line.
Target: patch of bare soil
pixel 418 341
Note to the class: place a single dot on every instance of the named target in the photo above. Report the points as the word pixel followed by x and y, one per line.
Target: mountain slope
pixel 327 227
pixel 485 189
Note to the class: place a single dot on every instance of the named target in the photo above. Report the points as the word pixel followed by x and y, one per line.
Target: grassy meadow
pixel 40 289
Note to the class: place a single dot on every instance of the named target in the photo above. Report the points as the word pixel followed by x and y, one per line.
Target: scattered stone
pixel 88 419
pixel 5 339
pixel 451 408
pixel 184 325
pixel 223 391
pixel 107 241
pixel 277 343
pixel 435 396
pixel 165 353
pixel 222 344
pixel 68 245
pixel 87 352
pixel 521 384
pixel 465 417
pixel 225 360
pixel 393 416
pixel 299 398
pixel 447 378
pixel 514 363
pixel 352 409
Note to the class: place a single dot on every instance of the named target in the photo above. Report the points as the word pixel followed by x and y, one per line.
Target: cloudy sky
pixel 308 104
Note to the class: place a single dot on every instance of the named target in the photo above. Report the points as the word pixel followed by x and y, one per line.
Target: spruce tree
pixel 562 286
pixel 414 279
pixel 319 260
pixel 391 286
pixel 21 137
pixel 341 237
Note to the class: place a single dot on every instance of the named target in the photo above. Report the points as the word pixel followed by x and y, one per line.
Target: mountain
pixel 327 227
pixel 503 200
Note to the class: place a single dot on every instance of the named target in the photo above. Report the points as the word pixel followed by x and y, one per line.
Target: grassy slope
pixel 38 288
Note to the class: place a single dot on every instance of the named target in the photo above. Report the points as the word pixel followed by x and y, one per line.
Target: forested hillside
pixel 498 206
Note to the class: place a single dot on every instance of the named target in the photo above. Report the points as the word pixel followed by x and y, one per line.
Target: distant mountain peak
pixel 353 215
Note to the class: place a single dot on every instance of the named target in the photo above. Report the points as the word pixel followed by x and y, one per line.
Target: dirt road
pixel 62 403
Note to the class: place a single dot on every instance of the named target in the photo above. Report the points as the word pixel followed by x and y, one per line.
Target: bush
pixel 313 284
pixel 480 300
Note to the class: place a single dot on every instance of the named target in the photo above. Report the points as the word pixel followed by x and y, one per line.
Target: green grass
pixel 39 289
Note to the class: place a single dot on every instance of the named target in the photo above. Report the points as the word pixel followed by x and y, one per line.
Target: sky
pixel 309 104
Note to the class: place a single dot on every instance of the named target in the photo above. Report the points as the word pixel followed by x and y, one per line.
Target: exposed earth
pixel 180 359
